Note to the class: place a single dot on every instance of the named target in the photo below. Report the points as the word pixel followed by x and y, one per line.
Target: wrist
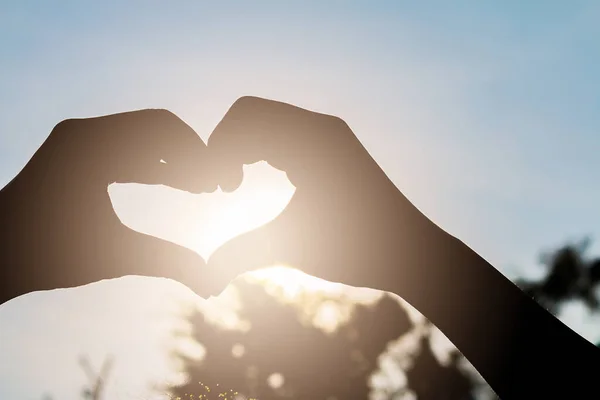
pixel 506 335
pixel 10 285
pixel 14 280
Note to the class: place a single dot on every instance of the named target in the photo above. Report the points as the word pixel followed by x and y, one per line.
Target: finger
pixel 289 138
pixel 247 252
pixel 274 247
pixel 148 146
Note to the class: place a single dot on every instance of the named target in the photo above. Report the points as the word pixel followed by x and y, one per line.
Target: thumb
pixel 260 248
pixel 146 255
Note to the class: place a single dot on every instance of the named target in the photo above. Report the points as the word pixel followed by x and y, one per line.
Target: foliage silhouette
pixel 316 365
pixel 309 362
pixel 570 276
pixel 97 381
pixel 428 379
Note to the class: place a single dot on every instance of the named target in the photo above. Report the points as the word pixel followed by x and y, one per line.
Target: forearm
pixel 9 288
pixel 12 284
pixel 518 347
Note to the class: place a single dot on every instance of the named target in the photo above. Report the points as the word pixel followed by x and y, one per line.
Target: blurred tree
pixel 282 356
pixel 285 356
pixel 95 389
pixel 570 276
pixel 428 379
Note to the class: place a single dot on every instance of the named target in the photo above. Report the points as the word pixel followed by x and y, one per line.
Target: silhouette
pixel 346 222
pixel 346 215
pixel 570 276
pixel 95 389
pixel 58 228
pixel 312 363
pixel 430 380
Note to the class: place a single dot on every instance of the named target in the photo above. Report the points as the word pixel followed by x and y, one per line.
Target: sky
pixel 494 102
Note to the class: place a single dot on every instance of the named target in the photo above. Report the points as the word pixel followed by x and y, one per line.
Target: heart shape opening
pixel 203 222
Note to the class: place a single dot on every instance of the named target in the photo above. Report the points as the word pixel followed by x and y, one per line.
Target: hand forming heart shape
pixel 346 222
pixel 204 222
pixel 60 228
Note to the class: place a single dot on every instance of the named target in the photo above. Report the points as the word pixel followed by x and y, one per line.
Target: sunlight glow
pixel 275 380
pixel 293 282
pixel 262 196
pixel 328 316
pixel 238 350
pixel 206 221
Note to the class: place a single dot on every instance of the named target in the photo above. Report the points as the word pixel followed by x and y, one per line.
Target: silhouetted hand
pixel 57 224
pixel 346 222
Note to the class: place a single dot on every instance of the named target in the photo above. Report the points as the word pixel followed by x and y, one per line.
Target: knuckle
pixel 64 126
pixel 161 115
pixel 338 122
pixel 151 118
pixel 246 101
pixel 164 113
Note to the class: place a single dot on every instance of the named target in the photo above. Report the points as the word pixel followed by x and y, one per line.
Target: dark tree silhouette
pixel 284 358
pixel 571 276
pixel 430 380
pixel 315 365
pixel 95 389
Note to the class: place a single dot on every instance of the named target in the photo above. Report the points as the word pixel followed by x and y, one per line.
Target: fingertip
pixel 204 188
pixel 211 187
pixel 206 181
pixel 225 167
pixel 246 101
pixel 230 179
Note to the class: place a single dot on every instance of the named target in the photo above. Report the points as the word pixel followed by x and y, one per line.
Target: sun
pixel 204 222
pixel 262 196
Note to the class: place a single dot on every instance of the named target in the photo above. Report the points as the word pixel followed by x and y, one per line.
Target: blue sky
pixel 494 103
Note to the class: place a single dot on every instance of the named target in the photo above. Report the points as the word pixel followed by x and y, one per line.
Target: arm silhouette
pixel 348 223
pixel 58 228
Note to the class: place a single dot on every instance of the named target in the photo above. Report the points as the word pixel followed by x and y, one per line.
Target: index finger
pixel 151 146
pixel 289 138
